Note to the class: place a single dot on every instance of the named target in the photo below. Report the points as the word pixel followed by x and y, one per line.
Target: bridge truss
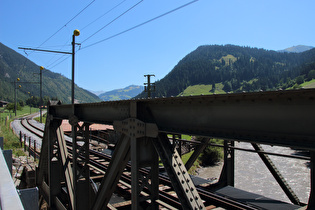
pixel 284 118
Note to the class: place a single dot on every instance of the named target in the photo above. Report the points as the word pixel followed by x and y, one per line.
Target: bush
pixel 311 75
pixel 211 154
pixel 299 80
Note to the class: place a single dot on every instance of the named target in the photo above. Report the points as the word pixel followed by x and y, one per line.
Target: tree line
pixel 238 68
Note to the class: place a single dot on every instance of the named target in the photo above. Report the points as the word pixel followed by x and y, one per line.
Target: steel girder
pixel 284 118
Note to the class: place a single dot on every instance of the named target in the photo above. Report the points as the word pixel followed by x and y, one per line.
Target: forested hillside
pixel 13 66
pixel 237 69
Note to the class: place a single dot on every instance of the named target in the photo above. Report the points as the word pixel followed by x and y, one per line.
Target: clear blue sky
pixel 153 48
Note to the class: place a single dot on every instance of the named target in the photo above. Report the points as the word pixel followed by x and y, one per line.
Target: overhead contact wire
pixel 125 31
pixel 113 21
pixel 141 24
pixel 102 15
pixel 68 22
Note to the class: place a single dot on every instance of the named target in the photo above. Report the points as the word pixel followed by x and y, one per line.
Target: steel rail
pixel 217 200
pixel 35 130
pixel 206 195
pixel 164 196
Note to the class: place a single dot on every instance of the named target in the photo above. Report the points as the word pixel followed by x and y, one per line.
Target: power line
pixel 68 22
pixel 53 63
pixel 113 20
pixel 60 61
pixel 125 31
pixel 102 15
pixel 141 24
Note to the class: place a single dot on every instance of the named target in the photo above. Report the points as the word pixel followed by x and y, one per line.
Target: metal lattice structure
pixel 284 118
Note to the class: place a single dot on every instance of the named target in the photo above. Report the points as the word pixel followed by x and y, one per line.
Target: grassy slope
pixel 203 89
pixel 309 84
pixel 207 89
pixel 11 141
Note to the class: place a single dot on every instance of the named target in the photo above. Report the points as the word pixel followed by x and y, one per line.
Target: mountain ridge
pixel 297 49
pixel 14 65
pixel 122 93
pixel 237 68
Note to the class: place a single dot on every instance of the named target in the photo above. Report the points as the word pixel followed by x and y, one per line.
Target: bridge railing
pixel 9 197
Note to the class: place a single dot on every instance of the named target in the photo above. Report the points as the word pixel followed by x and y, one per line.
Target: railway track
pixel 98 163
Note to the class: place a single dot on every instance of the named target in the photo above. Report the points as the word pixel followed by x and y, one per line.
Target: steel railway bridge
pixel 284 118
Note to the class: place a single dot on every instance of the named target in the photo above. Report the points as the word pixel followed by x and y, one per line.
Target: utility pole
pixel 29 93
pixel 79 178
pixel 149 85
pixel 75 33
pixel 41 91
pixel 15 95
pixel 15 92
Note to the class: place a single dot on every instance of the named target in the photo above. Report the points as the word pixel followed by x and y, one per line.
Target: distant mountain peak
pixel 122 94
pixel 297 49
pixel 98 92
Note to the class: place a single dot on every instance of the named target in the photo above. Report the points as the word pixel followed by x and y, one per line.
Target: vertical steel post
pixel 74 124
pixel 231 163
pixel 29 146
pixel 21 138
pixel 73 130
pixel 227 173
pixel 135 189
pixel 24 142
pixel 72 82
pixel 34 149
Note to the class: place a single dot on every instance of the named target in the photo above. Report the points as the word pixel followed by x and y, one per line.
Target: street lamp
pixel 73 126
pixel 15 94
pixel 41 90
pixel 75 33
pixel 73 132
pixel 29 93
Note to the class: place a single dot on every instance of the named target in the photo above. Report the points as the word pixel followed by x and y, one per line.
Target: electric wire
pixel 132 28
pixel 113 20
pixel 141 24
pixel 61 28
pixel 52 64
pixel 60 62
pixel 52 60
pixel 102 15
pixel 68 22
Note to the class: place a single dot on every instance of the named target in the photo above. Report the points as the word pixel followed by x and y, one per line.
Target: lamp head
pixel 76 32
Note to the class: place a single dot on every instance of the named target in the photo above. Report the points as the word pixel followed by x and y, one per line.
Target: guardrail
pixel 9 197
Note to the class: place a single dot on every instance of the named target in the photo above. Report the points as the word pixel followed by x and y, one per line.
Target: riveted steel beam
pixel 176 170
pixel 284 118
pixel 277 175
pixel 117 164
